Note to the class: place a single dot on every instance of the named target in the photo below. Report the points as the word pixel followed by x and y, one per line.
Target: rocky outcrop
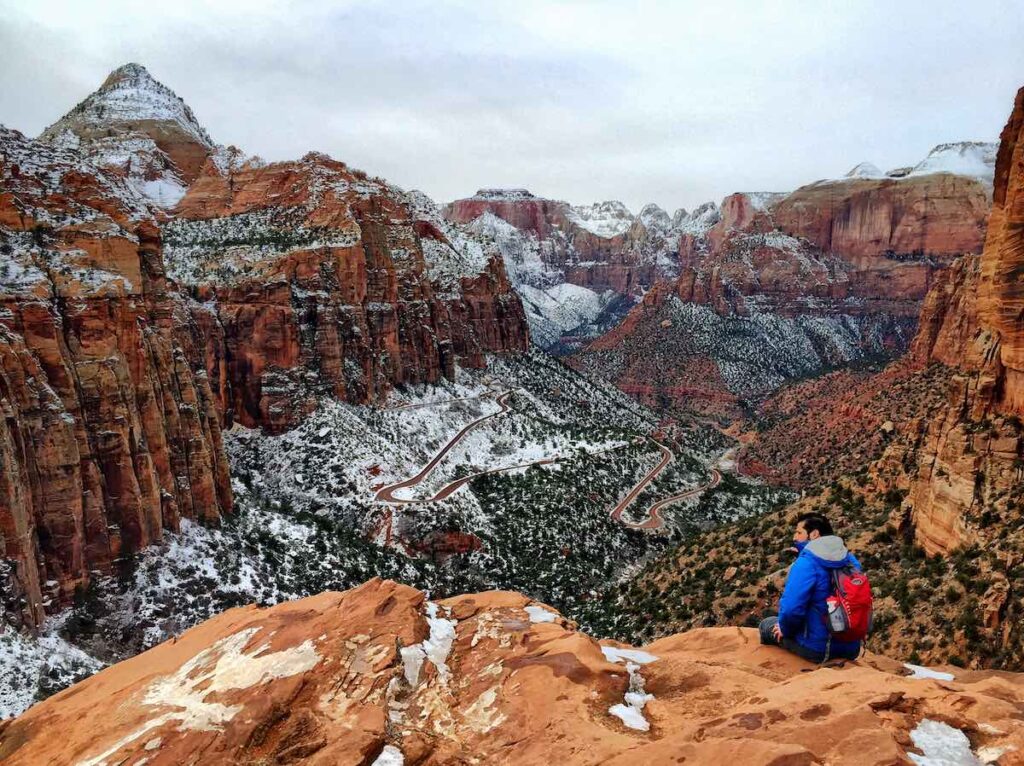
pixel 577 268
pixel 109 436
pixel 600 247
pixel 379 675
pixel 311 279
pixel 1001 289
pixel 809 271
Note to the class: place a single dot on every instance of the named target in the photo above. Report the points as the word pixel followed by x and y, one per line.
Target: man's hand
pixel 777 632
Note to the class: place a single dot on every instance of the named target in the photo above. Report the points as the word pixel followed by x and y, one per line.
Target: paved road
pixel 652 520
pixel 652 516
pixel 666 458
pixel 387 494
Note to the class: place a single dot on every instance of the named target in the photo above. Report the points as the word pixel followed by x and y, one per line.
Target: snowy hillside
pixel 966 158
pixel 690 345
pixel 307 519
pixel 975 159
pixel 605 219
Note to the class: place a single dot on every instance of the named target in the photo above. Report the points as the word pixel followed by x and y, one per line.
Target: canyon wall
pixel 109 435
pixel 310 279
pixel 967 464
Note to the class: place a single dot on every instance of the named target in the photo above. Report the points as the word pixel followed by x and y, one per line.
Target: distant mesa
pixel 504 194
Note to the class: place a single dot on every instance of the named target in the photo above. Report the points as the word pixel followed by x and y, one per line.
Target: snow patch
pixel 615 654
pixel 941 745
pixel 919 671
pixel 540 614
pixel 632 712
pixel 389 756
pixel 435 647
pixel 605 219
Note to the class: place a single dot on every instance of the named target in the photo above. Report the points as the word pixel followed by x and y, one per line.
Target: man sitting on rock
pixel 801 625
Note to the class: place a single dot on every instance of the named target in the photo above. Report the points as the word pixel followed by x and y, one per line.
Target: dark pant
pixel 768 638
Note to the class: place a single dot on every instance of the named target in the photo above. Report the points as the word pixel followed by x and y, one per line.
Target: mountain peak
pixel 865 170
pixel 967 158
pixel 130 95
pixel 130 71
pixel 138 127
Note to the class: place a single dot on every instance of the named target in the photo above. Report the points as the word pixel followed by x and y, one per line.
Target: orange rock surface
pixel 973 320
pixel 377 673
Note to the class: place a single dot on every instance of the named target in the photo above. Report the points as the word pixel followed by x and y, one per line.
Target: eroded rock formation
pixel 311 279
pixel 109 435
pixel 377 675
pixel 969 460
pixel 140 129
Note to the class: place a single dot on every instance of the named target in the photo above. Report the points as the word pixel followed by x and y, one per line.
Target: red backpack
pixel 850 607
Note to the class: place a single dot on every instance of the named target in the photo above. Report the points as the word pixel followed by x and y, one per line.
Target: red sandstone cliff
pixel 109 436
pixel 967 463
pixel 312 280
pixel 376 675
pixel 938 214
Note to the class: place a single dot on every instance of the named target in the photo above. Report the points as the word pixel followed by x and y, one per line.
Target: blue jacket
pixel 802 609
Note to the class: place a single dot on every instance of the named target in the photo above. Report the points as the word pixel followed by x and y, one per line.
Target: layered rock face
pixel 109 436
pixel 862 219
pixel 577 268
pixel 138 128
pixel 312 280
pixel 377 675
pixel 968 461
pixel 752 308
pixel 600 247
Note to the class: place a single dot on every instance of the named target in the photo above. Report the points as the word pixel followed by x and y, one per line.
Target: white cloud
pixel 672 102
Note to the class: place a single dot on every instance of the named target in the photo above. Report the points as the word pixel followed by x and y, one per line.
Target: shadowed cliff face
pixel 312 280
pixel 379 675
pixel 109 435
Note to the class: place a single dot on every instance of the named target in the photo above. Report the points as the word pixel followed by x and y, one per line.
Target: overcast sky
pixel 675 102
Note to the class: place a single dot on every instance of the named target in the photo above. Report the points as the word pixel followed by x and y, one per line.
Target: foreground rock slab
pixel 380 675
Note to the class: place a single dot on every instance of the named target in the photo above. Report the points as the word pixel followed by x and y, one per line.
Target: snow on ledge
pixel 389 756
pixel 941 745
pixel 540 614
pixel 615 654
pixel 221 667
pixel 435 647
pixel 919 671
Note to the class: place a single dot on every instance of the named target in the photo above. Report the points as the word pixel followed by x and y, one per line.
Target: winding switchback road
pixel 387 494
pixel 653 519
